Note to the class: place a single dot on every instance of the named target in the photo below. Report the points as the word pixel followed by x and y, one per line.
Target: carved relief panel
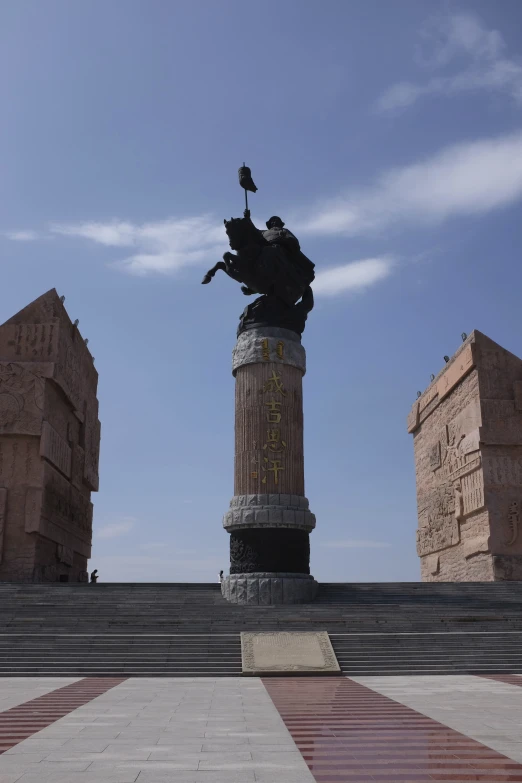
pixel 21 400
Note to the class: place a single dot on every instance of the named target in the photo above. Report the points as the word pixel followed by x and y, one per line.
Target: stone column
pixel 269 520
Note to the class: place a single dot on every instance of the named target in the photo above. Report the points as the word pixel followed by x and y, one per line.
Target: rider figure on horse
pixel 277 234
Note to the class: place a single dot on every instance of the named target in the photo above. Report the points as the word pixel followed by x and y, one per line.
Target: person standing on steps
pixel 94 576
pixel 220 577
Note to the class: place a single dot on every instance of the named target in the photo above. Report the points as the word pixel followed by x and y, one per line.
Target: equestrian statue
pixel 269 263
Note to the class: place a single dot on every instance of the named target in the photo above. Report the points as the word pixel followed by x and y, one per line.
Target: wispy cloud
pixel 352 277
pixel 463 41
pixel 22 236
pixel 115 529
pixel 465 179
pixel 470 178
pixel 160 246
pixel 355 544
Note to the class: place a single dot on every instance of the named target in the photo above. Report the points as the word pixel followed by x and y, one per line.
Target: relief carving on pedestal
pixel 439 526
pixel 270 550
pixel 455 459
pixel 21 399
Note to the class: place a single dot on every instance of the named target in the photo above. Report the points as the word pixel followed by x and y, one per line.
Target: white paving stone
pixel 152 730
pixel 17 690
pixel 489 712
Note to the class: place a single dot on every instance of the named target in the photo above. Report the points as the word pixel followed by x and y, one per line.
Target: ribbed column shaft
pixel 269 430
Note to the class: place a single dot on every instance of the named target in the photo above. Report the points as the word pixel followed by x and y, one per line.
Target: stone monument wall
pixel 49 445
pixel 467 429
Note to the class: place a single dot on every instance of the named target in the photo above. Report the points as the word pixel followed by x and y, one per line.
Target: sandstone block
pixel 277 591
pixel 49 444
pixel 265 593
pixel 468 460
pixel 248 516
pixel 275 515
pixel 253 591
pixel 241 590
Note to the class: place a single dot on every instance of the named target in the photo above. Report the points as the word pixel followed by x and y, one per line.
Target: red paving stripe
pixel 348 733
pixel 26 719
pixel 510 679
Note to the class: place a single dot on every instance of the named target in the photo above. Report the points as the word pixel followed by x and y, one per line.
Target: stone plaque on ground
pixel 49 445
pixel 288 653
pixel 467 430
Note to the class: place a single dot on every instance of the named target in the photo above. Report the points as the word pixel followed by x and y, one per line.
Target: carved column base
pixel 269 588
pixel 275 511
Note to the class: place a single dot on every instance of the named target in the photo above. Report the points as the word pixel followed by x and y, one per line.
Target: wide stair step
pixel 112 629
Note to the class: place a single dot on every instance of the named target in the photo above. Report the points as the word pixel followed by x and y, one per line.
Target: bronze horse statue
pixel 262 267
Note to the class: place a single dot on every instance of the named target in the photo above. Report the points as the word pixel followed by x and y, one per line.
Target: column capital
pixel 269 344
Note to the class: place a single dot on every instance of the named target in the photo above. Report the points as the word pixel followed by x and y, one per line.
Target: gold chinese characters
pixel 275 444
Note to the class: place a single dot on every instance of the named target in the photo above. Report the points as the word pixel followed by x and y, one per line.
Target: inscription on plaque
pixel 502 470
pixel 467 467
pixel 55 449
pixel 34 342
pixel 268 653
pixel 472 491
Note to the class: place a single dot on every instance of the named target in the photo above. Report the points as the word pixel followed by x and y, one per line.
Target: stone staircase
pixel 190 630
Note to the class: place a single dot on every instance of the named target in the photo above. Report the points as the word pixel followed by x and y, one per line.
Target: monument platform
pixel 256 730
pixel 124 683
pixel 112 629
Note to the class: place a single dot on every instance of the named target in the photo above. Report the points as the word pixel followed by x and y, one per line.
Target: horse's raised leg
pixel 211 272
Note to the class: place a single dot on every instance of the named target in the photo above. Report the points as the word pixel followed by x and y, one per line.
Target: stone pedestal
pixel 269 520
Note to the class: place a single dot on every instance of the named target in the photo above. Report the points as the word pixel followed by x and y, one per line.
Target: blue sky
pixel 389 138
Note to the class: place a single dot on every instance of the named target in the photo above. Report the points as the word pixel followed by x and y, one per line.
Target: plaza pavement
pixel 229 730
